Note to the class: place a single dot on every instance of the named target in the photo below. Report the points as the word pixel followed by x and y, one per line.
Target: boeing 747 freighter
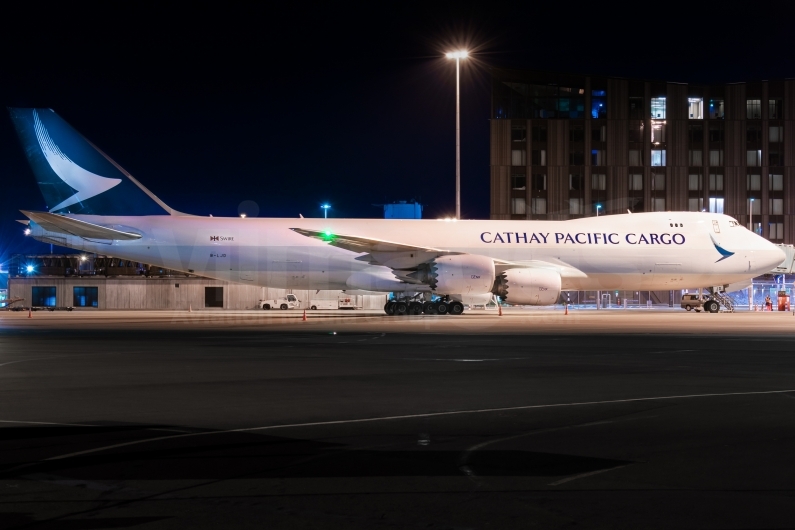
pixel 96 206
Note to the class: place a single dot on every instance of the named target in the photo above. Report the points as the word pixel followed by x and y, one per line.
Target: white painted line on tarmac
pixel 405 417
pixel 583 475
pixel 48 423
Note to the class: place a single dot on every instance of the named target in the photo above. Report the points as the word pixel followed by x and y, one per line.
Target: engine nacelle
pixel 528 286
pixel 463 274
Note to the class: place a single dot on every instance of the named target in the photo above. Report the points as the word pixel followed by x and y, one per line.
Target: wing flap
pixel 66 225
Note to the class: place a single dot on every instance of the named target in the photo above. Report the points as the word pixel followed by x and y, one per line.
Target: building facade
pixel 564 146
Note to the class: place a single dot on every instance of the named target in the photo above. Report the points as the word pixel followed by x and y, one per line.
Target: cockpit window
pixel 716 227
pixel 733 223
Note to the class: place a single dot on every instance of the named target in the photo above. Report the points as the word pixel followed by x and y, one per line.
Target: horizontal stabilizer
pixel 66 225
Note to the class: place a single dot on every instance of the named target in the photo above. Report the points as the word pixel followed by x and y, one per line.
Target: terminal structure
pixel 569 146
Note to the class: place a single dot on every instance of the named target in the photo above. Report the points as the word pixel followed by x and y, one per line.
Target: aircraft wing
pixel 60 224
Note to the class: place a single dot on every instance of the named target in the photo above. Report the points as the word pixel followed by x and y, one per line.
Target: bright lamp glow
pixel 29 268
pixel 83 258
pixel 27 231
pixel 461 54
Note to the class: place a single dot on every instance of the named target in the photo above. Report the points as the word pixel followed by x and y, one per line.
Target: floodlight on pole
pixel 751 215
pixel 457 55
pixel 598 206
pixel 325 210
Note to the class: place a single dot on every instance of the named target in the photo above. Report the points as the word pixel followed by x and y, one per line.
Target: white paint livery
pixel 648 251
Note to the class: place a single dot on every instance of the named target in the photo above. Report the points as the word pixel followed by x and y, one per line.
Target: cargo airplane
pixel 96 206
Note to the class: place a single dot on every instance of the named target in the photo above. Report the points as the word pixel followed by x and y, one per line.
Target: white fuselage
pixel 650 251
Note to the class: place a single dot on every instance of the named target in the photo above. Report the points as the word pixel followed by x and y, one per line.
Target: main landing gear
pixel 445 306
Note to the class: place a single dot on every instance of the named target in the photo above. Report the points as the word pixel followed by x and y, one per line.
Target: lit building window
pixel 695 157
pixel 658 157
pixel 659 204
pixel 776 230
pixel 777 133
pixel 776 206
pixel 716 204
pixel 657 132
pixel 538 206
pixel 598 157
pixel 598 104
pixel 715 182
pixel 716 157
pixel 776 182
pixel 598 181
pixel 694 183
pixel 518 206
pixel 754 182
pixel 695 204
pixel 518 157
pixel 695 108
pixel 753 109
pixel 754 158
pixel 754 206
pixel 635 157
pixel 658 182
pixel 575 206
pixel 658 108
pixel 635 182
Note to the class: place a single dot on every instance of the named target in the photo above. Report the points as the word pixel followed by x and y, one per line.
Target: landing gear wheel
pixel 266 306
pixel 415 308
pixel 688 307
pixel 442 308
pixel 712 306
pixel 429 308
pixel 401 308
pixel 283 307
pixel 456 308
pixel 389 308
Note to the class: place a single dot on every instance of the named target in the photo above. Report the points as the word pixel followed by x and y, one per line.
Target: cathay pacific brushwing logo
pixel 86 183
pixel 722 251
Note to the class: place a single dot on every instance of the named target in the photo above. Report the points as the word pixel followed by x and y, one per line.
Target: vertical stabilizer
pixel 73 175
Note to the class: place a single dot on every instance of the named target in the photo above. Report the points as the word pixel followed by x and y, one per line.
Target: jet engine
pixel 528 286
pixel 461 274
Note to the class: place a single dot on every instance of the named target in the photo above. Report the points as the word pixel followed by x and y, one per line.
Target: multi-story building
pixel 563 146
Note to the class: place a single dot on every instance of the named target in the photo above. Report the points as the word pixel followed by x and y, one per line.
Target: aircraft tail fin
pixel 74 175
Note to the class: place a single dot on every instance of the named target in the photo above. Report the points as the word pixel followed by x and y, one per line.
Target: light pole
pixel 461 54
pixel 597 209
pixel 325 210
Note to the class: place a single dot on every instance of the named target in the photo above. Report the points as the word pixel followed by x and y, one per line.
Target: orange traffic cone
pixel 303 318
pixel 499 310
pixel 567 310
pixel 30 312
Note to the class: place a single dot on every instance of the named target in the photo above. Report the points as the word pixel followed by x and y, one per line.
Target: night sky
pixel 210 107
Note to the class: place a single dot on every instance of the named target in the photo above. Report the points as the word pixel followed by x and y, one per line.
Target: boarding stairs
pixel 725 301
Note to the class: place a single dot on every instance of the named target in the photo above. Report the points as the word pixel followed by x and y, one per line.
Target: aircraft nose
pixel 771 256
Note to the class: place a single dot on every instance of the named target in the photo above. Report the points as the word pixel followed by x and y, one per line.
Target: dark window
pixel 518 133
pixel 576 133
pixel 753 133
pixel 576 158
pixel 86 297
pixel 776 109
pixel 575 182
pixel 636 131
pixel 539 182
pixel 43 296
pixel 716 109
pixel 636 109
pixel 213 297
pixel 774 156
pixel 716 132
pixel 695 133
pixel 598 133
pixel 539 133
pixel 518 182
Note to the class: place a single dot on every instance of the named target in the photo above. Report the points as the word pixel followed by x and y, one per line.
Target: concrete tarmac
pixel 619 419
